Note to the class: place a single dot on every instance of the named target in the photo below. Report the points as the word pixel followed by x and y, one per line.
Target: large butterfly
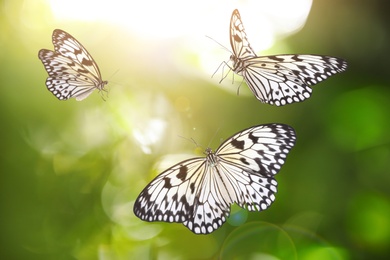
pixel 278 79
pixel 72 70
pixel 198 192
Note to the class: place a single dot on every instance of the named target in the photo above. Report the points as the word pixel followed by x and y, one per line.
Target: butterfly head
pixel 104 91
pixel 101 85
pixel 237 64
pixel 208 151
pixel 212 158
pixel 233 58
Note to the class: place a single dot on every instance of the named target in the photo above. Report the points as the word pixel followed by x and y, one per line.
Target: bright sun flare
pixel 175 18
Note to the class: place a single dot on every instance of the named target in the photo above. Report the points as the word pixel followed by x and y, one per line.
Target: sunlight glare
pixel 82 10
pixel 150 134
pixel 175 18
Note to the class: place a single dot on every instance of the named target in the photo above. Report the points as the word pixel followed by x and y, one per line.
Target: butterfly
pixel 278 79
pixel 198 192
pixel 72 70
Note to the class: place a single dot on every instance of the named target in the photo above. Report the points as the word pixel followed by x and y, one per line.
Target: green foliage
pixel 70 171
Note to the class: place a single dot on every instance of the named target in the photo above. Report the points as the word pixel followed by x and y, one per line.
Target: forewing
pixel 238 39
pixel 259 150
pixel 251 158
pixel 66 45
pixel 284 79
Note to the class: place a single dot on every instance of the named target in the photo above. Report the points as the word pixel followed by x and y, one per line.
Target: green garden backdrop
pixel 70 171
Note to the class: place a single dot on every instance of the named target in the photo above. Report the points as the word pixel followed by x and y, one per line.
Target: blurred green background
pixel 70 171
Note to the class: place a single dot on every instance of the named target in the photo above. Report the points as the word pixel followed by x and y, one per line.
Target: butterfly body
pixel 72 70
pixel 198 192
pixel 278 79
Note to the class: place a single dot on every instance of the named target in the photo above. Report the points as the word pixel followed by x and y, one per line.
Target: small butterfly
pixel 279 79
pixel 72 70
pixel 198 192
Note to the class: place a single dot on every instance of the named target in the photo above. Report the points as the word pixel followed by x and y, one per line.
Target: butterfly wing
pixel 251 158
pixel 72 70
pixel 199 192
pixel 239 41
pixel 174 196
pixel 68 46
pixel 66 78
pixel 284 79
pixel 191 192
pixel 280 79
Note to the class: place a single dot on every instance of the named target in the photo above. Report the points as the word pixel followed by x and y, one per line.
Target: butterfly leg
pixel 224 63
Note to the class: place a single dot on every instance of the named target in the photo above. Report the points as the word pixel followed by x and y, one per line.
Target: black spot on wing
pixel 253 138
pixel 244 161
pixel 78 51
pixel 192 187
pixel 237 38
pixel 87 62
pixel 238 144
pixel 182 173
pixel 167 183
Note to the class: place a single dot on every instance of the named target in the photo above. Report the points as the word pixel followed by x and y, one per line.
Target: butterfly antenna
pixel 190 140
pixel 114 73
pixel 215 134
pixel 111 81
pixel 219 44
